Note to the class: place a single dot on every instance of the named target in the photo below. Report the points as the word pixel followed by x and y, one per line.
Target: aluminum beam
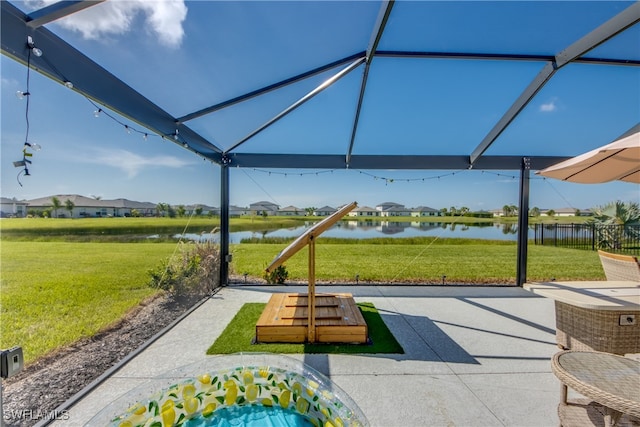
pixel 525 97
pixel 270 88
pixel 387 162
pixel 58 10
pixel 61 62
pixel 299 102
pixel 604 32
pixel 499 57
pixel 378 29
pixel 614 26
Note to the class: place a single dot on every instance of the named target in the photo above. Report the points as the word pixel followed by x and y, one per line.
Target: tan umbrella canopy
pixel 619 160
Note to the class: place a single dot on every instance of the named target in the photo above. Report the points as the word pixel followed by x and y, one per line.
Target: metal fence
pixel 615 238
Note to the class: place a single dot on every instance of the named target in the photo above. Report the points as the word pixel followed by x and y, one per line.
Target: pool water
pixel 251 416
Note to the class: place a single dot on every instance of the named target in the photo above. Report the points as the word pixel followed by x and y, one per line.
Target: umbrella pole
pixel 311 299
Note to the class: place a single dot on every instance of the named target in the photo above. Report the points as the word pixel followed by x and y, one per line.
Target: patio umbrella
pixel 619 160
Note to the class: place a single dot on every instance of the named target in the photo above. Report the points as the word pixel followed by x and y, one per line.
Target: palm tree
pixel 69 205
pixel 55 203
pixel 161 208
pixel 535 211
pixel 612 223
pixel 310 210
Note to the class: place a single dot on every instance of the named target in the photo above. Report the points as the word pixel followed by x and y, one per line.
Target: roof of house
pixel 570 210
pixel 8 201
pixel 397 208
pixel 77 200
pixel 263 203
pixel 203 207
pixel 364 209
pixel 290 208
pixel 424 209
pixel 88 202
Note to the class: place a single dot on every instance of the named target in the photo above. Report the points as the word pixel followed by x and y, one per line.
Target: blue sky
pixel 186 56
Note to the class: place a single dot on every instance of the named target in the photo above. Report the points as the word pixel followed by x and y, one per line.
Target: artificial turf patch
pixel 239 335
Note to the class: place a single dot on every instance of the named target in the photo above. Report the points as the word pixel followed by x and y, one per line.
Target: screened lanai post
pixel 225 256
pixel 523 221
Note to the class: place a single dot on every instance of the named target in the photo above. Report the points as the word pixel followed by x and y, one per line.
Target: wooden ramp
pixel 338 319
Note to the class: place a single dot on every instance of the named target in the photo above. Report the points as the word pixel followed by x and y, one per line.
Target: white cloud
pixel 549 107
pixel 162 18
pixel 8 82
pixel 132 163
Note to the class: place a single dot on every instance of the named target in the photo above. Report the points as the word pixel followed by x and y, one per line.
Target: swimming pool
pixel 244 389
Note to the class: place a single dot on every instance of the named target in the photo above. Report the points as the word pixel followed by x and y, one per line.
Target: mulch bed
pixel 43 386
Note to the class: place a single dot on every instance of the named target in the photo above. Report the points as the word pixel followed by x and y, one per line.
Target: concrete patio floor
pixel 474 356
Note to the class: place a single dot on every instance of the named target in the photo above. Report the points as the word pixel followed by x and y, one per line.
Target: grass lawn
pixel 238 335
pixel 460 262
pixel 54 293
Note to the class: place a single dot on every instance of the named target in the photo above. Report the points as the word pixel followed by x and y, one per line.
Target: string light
pixel 33 49
pixel 286 173
pixel 508 176
pixel 26 154
pixel 20 94
pixel 388 181
pixel 34 146
pixel 128 128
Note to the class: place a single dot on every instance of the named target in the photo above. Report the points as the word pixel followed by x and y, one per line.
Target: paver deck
pixel 474 356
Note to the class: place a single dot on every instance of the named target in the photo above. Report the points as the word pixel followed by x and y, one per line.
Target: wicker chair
pixel 620 267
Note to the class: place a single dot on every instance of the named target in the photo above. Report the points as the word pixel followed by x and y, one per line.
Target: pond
pixel 376 229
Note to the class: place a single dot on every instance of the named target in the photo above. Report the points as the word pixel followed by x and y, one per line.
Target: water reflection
pixel 377 229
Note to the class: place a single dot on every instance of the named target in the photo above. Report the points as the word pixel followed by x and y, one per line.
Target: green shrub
pixel 277 276
pixel 194 270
